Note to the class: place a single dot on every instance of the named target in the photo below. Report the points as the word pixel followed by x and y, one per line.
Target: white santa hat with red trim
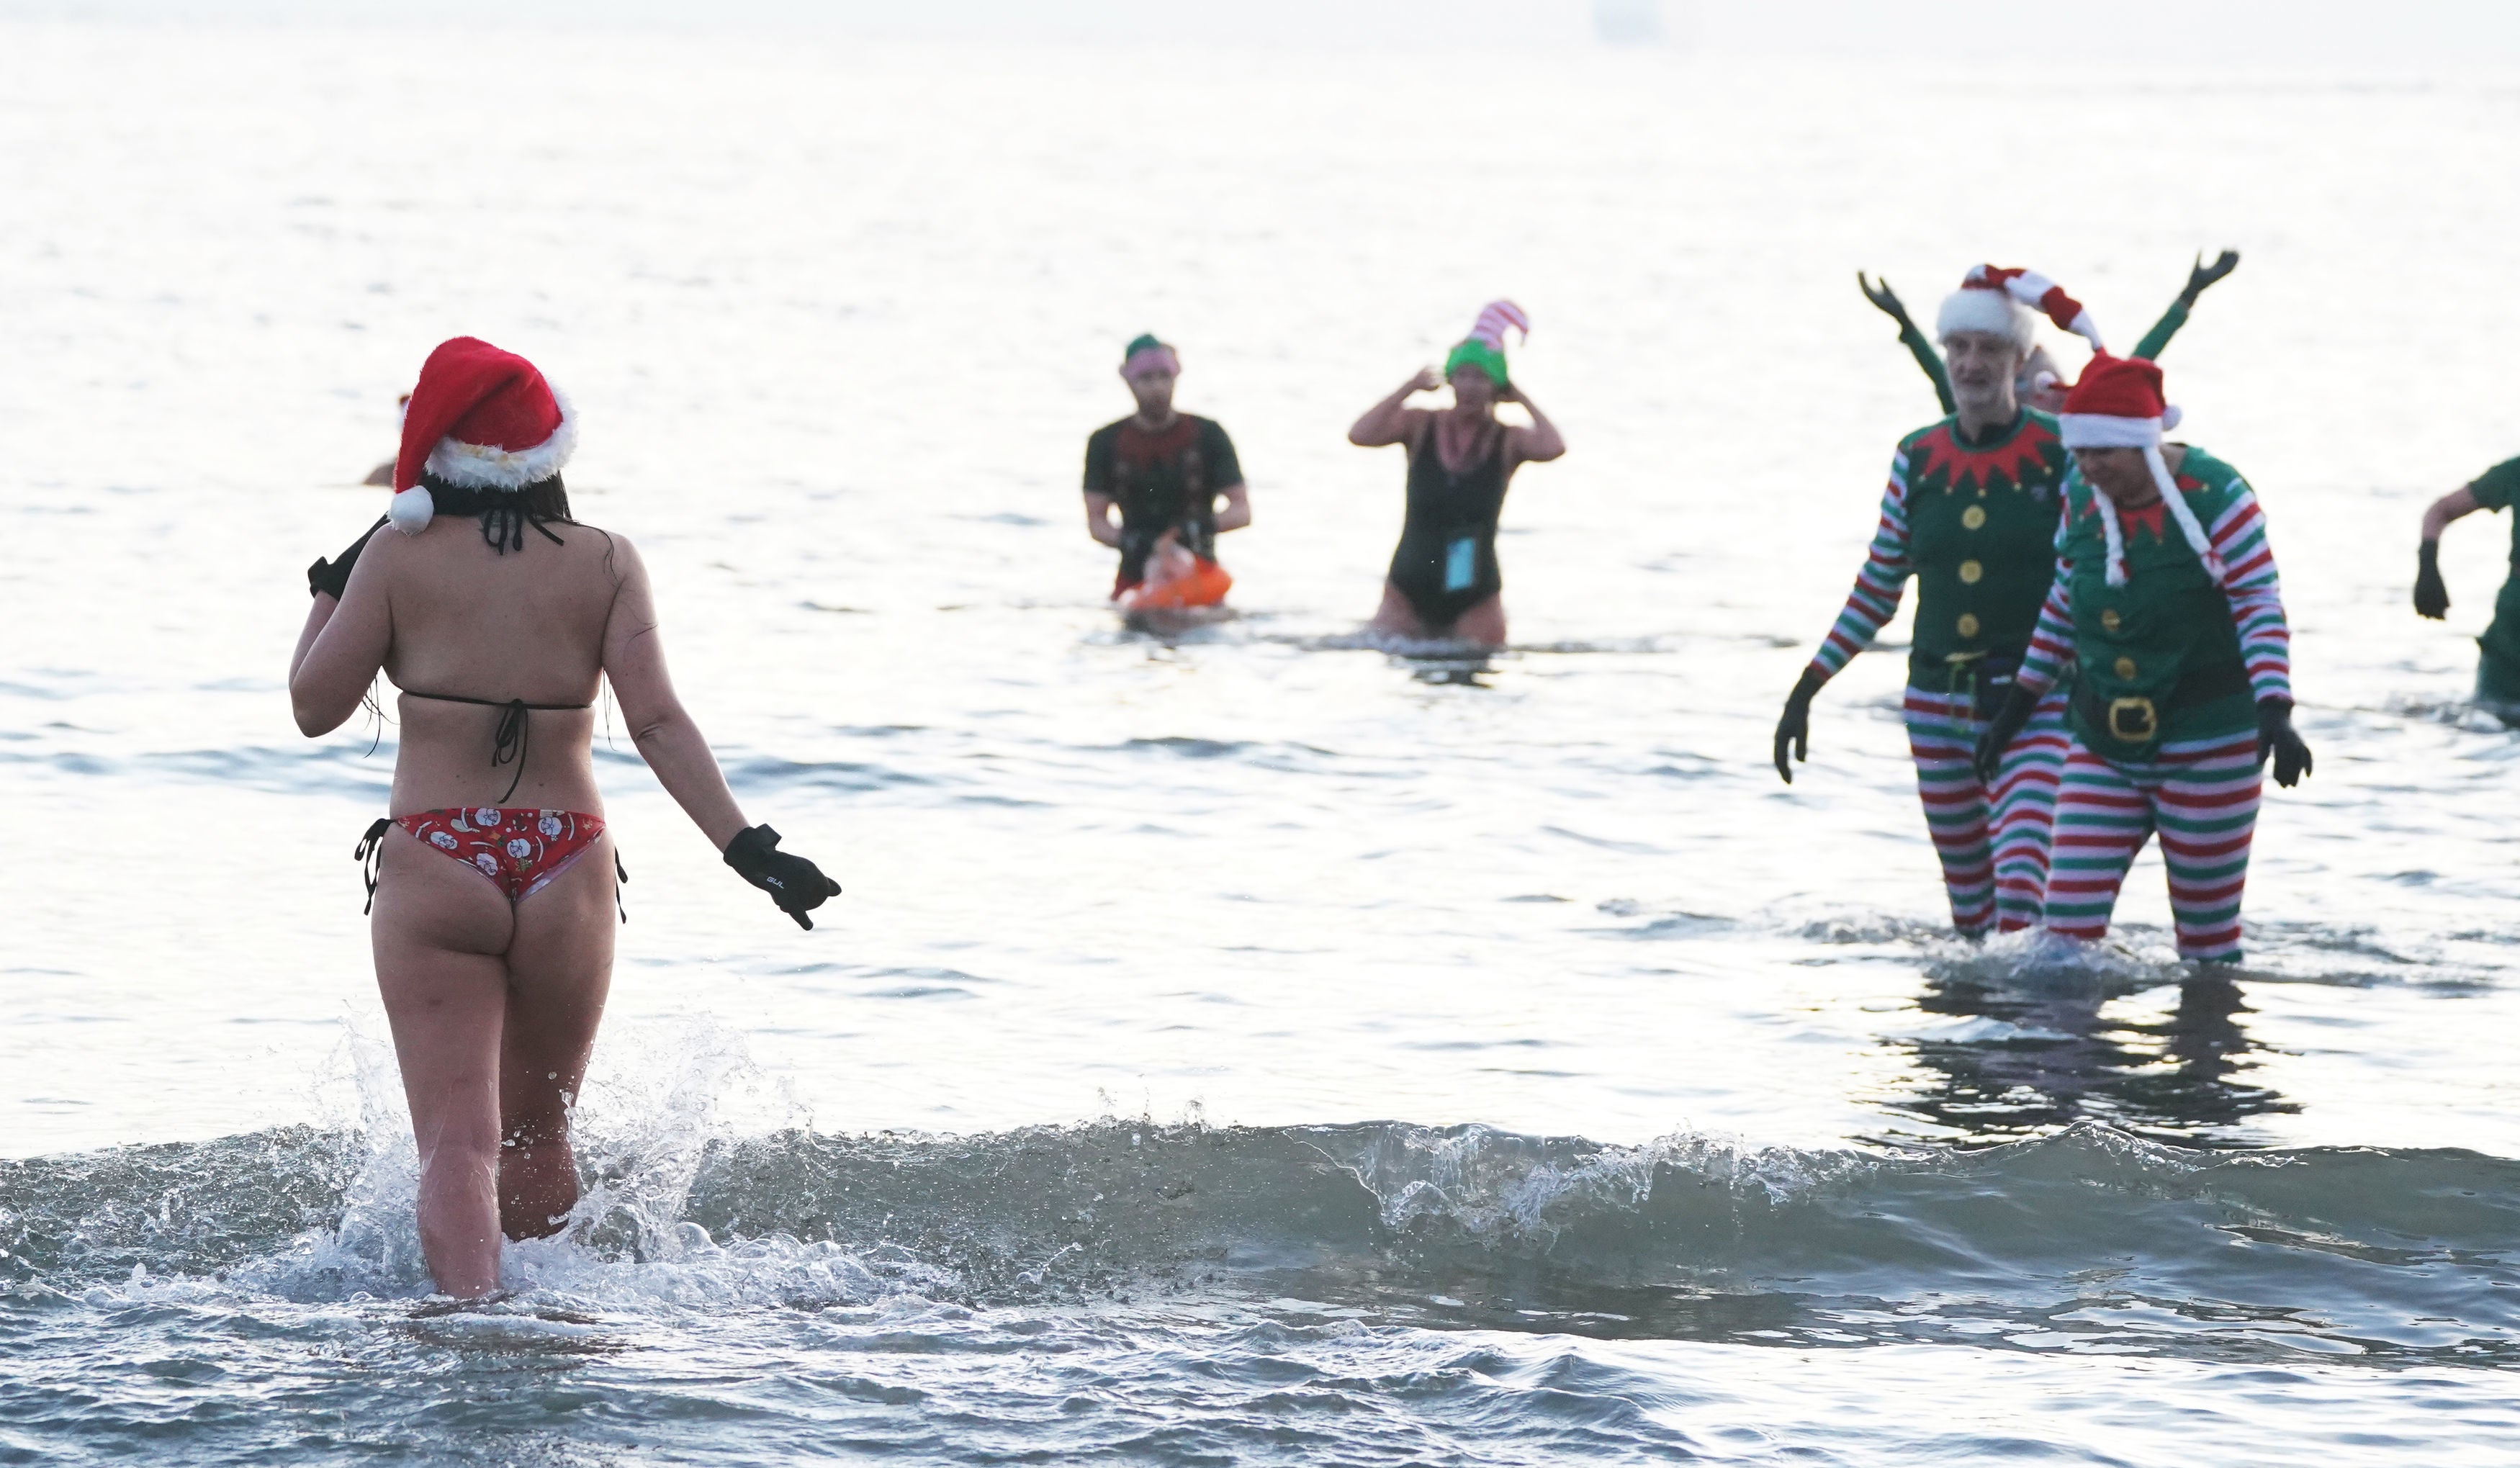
pixel 2119 404
pixel 479 418
pixel 1999 302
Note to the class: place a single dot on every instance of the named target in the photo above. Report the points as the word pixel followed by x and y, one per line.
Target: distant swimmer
pixel 1444 581
pixel 1970 511
pixel 2040 384
pixel 2497 660
pixel 1164 471
pixel 499 615
pixel 2166 598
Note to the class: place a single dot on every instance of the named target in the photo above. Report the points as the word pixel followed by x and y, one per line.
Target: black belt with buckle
pixel 2137 721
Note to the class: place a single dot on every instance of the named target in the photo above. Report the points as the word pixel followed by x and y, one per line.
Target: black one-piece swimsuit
pixel 1446 562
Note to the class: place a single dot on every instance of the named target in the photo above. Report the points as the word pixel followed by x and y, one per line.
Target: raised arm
pixel 1386 423
pixel 634 659
pixel 2200 278
pixel 1539 443
pixel 1887 301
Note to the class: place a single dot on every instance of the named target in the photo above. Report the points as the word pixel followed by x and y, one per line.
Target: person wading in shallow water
pixel 2166 598
pixel 1444 581
pixel 1971 512
pixel 1164 471
pixel 498 614
pixel 2039 383
pixel 2498 661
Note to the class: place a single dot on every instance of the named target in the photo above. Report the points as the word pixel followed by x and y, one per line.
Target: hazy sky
pixel 2413 33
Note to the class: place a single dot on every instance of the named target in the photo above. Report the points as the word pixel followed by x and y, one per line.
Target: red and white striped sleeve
pixel 2239 538
pixel 1874 600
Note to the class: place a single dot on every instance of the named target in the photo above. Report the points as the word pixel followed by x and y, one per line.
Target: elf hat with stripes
pixel 1998 301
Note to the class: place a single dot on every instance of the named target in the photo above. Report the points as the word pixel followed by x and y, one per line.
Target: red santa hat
pixel 1999 302
pixel 2119 404
pixel 482 419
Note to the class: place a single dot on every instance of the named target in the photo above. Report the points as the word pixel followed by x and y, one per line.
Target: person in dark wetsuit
pixel 1444 581
pixel 1163 471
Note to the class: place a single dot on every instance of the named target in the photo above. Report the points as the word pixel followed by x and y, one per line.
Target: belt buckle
pixel 2143 723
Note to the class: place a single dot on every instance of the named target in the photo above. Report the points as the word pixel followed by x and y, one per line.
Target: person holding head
pixel 2497 660
pixel 1970 511
pixel 2166 595
pixel 499 614
pixel 1444 581
pixel 1164 471
pixel 2039 383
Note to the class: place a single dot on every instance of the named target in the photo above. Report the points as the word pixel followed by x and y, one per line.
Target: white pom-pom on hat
pixel 412 510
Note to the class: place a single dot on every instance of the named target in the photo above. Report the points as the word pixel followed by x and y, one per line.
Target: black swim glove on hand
pixel 2276 736
pixel 795 885
pixel 331 578
pixel 1795 729
pixel 2018 704
pixel 2432 594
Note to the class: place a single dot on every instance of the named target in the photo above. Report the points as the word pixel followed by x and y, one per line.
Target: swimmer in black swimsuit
pixel 1163 471
pixel 1444 581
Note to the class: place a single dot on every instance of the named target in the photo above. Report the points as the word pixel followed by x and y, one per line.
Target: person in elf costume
pixel 2167 598
pixel 1164 471
pixel 2040 384
pixel 2497 662
pixel 1970 511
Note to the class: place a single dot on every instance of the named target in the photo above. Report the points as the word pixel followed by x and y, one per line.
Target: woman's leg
pixel 2025 815
pixel 2208 806
pixel 439 932
pixel 1395 617
pixel 1942 739
pixel 1483 624
pixel 559 968
pixel 2102 820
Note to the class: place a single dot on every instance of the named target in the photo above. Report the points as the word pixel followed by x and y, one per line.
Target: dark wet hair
pixel 506 512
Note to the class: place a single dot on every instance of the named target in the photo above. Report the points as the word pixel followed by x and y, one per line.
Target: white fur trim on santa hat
pixel 1991 312
pixel 482 466
pixel 2098 430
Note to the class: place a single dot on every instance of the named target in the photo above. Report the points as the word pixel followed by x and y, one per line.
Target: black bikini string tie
pixel 509 742
pixel 370 857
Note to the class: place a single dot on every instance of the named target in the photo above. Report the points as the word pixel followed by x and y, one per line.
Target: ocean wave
pixel 2089 1236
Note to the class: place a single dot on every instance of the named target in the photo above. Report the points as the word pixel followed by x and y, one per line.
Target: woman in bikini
pixel 1444 581
pixel 498 614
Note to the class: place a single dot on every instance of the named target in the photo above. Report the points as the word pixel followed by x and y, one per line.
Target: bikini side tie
pixel 371 856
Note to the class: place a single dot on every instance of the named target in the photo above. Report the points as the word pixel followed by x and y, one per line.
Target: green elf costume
pixel 2170 606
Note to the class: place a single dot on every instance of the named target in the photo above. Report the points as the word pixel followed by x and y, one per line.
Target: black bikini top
pixel 507 744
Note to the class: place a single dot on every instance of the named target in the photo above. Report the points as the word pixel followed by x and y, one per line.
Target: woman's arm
pixel 343 646
pixel 1386 423
pixel 634 658
pixel 1539 443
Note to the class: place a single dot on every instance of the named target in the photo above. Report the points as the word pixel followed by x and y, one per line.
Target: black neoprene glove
pixel 330 578
pixel 1793 730
pixel 2018 704
pixel 795 885
pixel 2276 736
pixel 2202 278
pixel 2432 594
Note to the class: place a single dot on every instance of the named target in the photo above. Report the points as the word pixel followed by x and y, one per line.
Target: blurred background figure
pixel 1444 582
pixel 2498 661
pixel 1164 471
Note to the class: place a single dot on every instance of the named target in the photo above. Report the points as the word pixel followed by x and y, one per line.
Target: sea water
pixel 1250 1044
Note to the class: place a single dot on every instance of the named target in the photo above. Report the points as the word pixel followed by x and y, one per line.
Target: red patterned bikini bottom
pixel 518 848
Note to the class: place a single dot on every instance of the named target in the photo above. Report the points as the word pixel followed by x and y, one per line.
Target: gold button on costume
pixel 2125 667
pixel 1973 517
pixel 2109 618
pixel 1970 571
pixel 1968 624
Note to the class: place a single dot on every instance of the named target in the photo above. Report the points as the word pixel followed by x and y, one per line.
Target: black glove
pixel 2203 274
pixel 2274 733
pixel 2018 704
pixel 330 578
pixel 1793 730
pixel 2432 595
pixel 1886 299
pixel 795 885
